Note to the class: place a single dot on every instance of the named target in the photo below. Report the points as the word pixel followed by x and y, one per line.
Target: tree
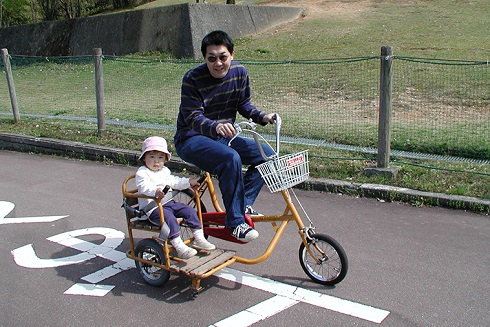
pixel 14 12
pixel 49 9
pixel 17 12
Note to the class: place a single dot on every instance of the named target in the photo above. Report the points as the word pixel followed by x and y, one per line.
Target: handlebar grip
pixel 274 119
pixel 201 179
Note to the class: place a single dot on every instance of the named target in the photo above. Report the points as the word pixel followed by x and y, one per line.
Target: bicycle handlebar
pixel 250 126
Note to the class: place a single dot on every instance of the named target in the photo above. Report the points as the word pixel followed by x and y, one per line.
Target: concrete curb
pixel 387 193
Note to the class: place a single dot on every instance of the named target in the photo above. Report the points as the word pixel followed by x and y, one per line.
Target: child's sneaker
pixel 186 252
pixel 203 244
pixel 244 233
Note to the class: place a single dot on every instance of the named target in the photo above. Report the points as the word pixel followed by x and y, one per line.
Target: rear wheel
pixel 150 250
pixel 329 264
pixel 186 196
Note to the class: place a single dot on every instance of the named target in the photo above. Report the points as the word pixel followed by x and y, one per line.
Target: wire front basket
pixel 286 171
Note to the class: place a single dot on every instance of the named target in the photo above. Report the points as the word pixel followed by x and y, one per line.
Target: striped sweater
pixel 207 101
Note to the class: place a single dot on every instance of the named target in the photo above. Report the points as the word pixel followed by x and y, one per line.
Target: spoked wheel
pixel 186 196
pixel 150 250
pixel 328 265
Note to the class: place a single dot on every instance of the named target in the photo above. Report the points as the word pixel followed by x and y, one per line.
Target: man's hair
pixel 217 38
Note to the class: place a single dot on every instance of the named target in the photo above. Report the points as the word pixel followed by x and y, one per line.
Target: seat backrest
pixel 131 208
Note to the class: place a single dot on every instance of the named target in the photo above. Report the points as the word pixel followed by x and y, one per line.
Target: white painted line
pixel 89 289
pixel 25 256
pixel 44 219
pixel 256 313
pixel 109 271
pixel 7 207
pixel 300 294
pixel 343 306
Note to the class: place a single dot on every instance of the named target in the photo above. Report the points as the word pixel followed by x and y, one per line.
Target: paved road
pixel 408 266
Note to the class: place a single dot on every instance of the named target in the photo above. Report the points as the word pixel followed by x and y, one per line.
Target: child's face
pixel 154 160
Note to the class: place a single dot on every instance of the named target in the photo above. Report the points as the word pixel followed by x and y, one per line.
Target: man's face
pixel 218 60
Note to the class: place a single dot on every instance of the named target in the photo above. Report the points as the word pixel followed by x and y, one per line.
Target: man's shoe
pixel 203 245
pixel 251 212
pixel 244 233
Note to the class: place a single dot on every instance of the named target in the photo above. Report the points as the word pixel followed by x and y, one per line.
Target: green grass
pixel 334 100
pixel 469 179
pixel 449 29
pixel 428 29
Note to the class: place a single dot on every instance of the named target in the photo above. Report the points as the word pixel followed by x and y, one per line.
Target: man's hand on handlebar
pixel 270 118
pixel 225 130
pixel 229 130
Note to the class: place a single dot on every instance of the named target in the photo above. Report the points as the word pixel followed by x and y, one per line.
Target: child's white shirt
pixel 147 182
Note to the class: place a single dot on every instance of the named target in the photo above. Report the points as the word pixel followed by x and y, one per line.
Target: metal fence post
pixel 385 90
pixel 384 123
pixel 99 91
pixel 10 83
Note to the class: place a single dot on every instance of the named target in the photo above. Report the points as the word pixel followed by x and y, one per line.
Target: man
pixel 212 94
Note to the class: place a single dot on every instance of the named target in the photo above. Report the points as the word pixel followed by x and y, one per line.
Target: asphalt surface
pixel 413 266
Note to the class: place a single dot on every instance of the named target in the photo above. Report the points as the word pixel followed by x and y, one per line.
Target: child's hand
pixel 194 182
pixel 159 193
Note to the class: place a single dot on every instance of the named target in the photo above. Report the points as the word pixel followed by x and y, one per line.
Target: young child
pixel 151 179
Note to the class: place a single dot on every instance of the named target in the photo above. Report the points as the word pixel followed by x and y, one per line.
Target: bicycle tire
pixel 332 265
pixel 186 196
pixel 150 250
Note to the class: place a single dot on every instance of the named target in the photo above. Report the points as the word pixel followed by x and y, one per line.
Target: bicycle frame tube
pixel 208 185
pixel 290 213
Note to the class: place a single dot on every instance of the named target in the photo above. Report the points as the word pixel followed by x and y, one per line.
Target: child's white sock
pixel 198 234
pixel 200 241
pixel 183 251
pixel 178 244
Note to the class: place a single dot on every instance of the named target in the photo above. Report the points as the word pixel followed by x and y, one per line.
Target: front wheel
pixel 328 265
pixel 150 250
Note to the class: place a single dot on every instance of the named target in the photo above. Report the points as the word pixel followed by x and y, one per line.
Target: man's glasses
pixel 221 58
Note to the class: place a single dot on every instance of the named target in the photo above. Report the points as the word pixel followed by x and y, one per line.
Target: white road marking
pixel 26 257
pixel 285 295
pixel 258 312
pixel 7 207
pixel 109 271
pixel 89 289
pixel 306 296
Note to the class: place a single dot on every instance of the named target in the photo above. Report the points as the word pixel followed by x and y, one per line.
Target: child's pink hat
pixel 154 143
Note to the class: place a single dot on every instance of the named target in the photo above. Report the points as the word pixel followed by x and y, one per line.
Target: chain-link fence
pixel 439 107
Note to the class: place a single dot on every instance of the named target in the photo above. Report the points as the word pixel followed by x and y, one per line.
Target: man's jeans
pixel 217 158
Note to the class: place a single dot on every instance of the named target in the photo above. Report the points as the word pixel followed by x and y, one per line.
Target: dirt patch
pixel 321 8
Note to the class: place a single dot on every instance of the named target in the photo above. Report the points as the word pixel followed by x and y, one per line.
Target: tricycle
pixel 322 258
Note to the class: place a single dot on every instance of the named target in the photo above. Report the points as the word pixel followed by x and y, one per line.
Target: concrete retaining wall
pixel 178 29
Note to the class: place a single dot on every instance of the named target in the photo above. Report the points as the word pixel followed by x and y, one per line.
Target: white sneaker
pixel 203 244
pixel 244 233
pixel 186 252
